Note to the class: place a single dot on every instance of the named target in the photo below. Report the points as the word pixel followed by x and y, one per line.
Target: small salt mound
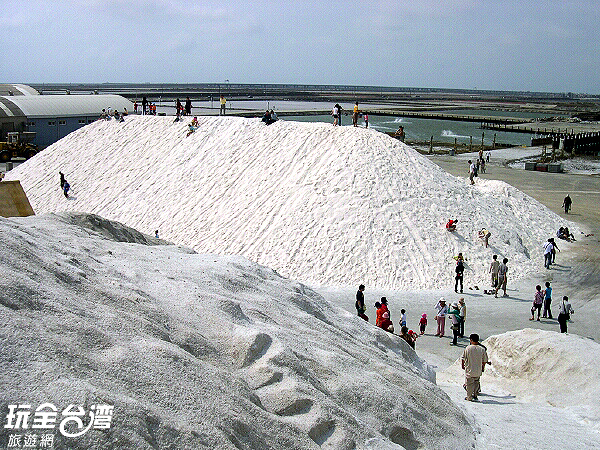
pixel 549 365
pixel 201 351
pixel 323 205
pixel 544 367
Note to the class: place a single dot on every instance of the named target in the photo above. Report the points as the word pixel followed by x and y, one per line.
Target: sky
pixel 547 46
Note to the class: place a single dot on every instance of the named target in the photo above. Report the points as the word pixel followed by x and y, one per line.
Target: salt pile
pixel 321 204
pixel 200 351
pixel 539 377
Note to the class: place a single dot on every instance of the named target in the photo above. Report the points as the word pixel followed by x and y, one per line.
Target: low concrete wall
pixel 13 201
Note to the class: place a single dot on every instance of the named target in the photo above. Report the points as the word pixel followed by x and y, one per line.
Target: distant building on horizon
pixel 51 117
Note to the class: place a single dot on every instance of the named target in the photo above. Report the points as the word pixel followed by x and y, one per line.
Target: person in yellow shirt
pixel 355 115
pixel 223 104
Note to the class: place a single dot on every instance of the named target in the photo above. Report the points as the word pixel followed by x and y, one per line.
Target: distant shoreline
pixel 542 102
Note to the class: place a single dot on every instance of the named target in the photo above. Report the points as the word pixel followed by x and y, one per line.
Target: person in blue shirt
pixel 547 301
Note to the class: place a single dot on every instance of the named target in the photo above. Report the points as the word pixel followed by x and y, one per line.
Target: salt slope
pixel 324 205
pixel 544 367
pixel 200 351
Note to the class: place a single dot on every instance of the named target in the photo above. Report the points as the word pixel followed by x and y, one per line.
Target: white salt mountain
pixel 200 351
pixel 321 204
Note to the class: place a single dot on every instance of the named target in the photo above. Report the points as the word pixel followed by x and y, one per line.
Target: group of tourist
pixel 108 114
pixel 181 110
pixel 382 317
pixel 456 312
pixel 550 249
pixel 149 108
pixel 476 167
pixel 269 117
pixel 542 299
pixel 564 234
pixel 337 112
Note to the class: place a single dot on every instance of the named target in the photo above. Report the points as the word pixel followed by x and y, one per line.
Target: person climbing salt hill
pixel 193 126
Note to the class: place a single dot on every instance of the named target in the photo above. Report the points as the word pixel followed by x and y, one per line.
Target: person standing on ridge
pixel 188 107
pixel 378 314
pixel 360 303
pixel 144 105
pixel 355 115
pixel 472 172
pixel 567 204
pixel 223 105
pixel 473 361
pixel 335 113
pixel 383 316
pixel 366 117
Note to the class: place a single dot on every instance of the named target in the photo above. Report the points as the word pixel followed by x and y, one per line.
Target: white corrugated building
pixel 51 117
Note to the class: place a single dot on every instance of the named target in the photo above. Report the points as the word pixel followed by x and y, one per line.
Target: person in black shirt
pixel 360 302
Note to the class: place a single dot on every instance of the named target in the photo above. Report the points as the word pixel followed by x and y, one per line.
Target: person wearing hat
pixel 382 319
pixel 440 317
pixel 423 323
pixel 473 361
pixel 453 314
pixel 386 323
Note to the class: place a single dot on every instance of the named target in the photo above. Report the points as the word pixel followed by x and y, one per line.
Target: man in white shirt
pixel 548 246
pixel 473 361
pixel 472 172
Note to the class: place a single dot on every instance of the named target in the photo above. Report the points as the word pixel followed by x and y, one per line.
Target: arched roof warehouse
pixel 41 106
pixel 17 89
